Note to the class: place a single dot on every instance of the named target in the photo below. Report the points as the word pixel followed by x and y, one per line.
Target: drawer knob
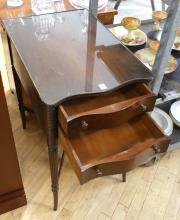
pixel 143 107
pixel 156 149
pixel 98 172
pixel 84 125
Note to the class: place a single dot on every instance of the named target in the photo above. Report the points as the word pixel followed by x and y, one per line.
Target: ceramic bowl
pixel 131 23
pixel 163 120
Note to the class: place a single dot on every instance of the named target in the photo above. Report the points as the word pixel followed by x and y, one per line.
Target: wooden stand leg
pixel 124 177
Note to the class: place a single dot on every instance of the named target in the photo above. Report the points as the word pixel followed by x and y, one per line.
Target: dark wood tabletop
pixel 58 50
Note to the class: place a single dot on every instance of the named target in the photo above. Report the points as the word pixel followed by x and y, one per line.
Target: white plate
pixel 163 120
pixel 120 31
pixel 146 56
pixel 175 112
pixel 14 3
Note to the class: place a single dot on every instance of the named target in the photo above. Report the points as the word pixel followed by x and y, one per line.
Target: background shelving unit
pixel 167 88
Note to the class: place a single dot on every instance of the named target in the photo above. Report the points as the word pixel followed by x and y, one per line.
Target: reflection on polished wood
pixel 106 15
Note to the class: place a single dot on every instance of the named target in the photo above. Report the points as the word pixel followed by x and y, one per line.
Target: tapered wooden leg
pixel 55 195
pixel 51 126
pixel 124 177
pixel 53 159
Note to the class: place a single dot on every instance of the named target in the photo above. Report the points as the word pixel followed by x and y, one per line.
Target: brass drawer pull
pixel 143 107
pixel 156 149
pixel 84 125
pixel 98 172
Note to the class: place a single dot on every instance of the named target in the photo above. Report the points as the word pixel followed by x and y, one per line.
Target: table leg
pixel 49 124
pixel 22 108
pixel 55 163
pixel 53 160
pixel 55 168
pixel 18 86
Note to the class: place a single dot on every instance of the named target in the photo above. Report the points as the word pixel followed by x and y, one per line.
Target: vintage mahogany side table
pixel 88 91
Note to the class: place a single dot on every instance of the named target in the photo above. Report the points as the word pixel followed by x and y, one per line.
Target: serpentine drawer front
pixel 113 150
pixel 110 133
pixel 104 111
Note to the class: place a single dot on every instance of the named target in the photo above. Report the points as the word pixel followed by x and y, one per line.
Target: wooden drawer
pixel 114 150
pixel 84 114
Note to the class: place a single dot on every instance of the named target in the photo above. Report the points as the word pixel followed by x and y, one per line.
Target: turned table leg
pixel 53 160
pixel 55 168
